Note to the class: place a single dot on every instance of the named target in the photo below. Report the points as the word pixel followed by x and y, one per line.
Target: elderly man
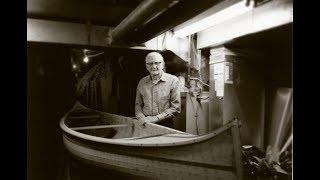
pixel 158 95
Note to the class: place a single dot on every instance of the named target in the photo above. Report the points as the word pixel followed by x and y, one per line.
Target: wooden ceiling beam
pixel 72 34
pixel 78 11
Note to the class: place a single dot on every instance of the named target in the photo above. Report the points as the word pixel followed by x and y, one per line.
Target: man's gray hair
pixel 156 55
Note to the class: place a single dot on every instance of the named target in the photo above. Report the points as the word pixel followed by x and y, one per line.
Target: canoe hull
pixel 213 158
pixel 172 155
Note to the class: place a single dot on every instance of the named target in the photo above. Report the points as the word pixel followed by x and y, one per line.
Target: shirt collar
pixel 164 77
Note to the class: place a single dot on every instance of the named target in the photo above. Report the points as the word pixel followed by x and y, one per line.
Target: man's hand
pixel 148 119
pixel 141 121
pixel 151 119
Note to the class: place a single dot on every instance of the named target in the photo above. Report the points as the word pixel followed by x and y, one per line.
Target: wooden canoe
pixel 151 151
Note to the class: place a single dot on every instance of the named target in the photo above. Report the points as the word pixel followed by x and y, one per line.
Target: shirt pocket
pixel 164 100
pixel 164 103
pixel 164 96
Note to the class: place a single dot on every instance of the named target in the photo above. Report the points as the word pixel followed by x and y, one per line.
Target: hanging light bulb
pixel 86 59
pixel 74 66
pixel 85 53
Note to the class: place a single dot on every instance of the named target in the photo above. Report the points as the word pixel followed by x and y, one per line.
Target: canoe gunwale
pixel 134 141
pixel 131 142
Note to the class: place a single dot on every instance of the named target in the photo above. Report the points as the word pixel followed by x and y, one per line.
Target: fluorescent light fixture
pixel 220 16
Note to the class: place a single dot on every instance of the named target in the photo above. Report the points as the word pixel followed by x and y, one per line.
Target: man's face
pixel 154 66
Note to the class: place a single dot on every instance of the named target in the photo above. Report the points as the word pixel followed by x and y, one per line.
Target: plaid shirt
pixel 161 99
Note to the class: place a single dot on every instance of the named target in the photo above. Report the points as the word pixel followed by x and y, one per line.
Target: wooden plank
pixel 237 148
pixel 66 33
pixel 100 127
pixel 47 31
pixel 197 116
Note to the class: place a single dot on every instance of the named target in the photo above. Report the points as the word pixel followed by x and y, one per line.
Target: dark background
pixel 51 93
pixel 14 87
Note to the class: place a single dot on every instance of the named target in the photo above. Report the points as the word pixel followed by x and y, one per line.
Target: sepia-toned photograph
pixel 159 89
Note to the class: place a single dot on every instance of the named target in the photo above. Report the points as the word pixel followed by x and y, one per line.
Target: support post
pixel 237 149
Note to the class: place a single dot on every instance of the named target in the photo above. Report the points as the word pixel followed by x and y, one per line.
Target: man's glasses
pixel 153 63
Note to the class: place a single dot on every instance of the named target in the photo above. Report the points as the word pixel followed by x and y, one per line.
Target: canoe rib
pixel 84 117
pixel 100 127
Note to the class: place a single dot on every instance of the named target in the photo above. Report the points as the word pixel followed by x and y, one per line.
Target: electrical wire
pixel 94 55
pixel 200 81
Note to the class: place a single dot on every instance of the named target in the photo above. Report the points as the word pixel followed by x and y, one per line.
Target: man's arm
pixel 139 104
pixel 174 102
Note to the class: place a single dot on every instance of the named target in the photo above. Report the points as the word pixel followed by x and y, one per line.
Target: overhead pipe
pixel 174 16
pixel 145 11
